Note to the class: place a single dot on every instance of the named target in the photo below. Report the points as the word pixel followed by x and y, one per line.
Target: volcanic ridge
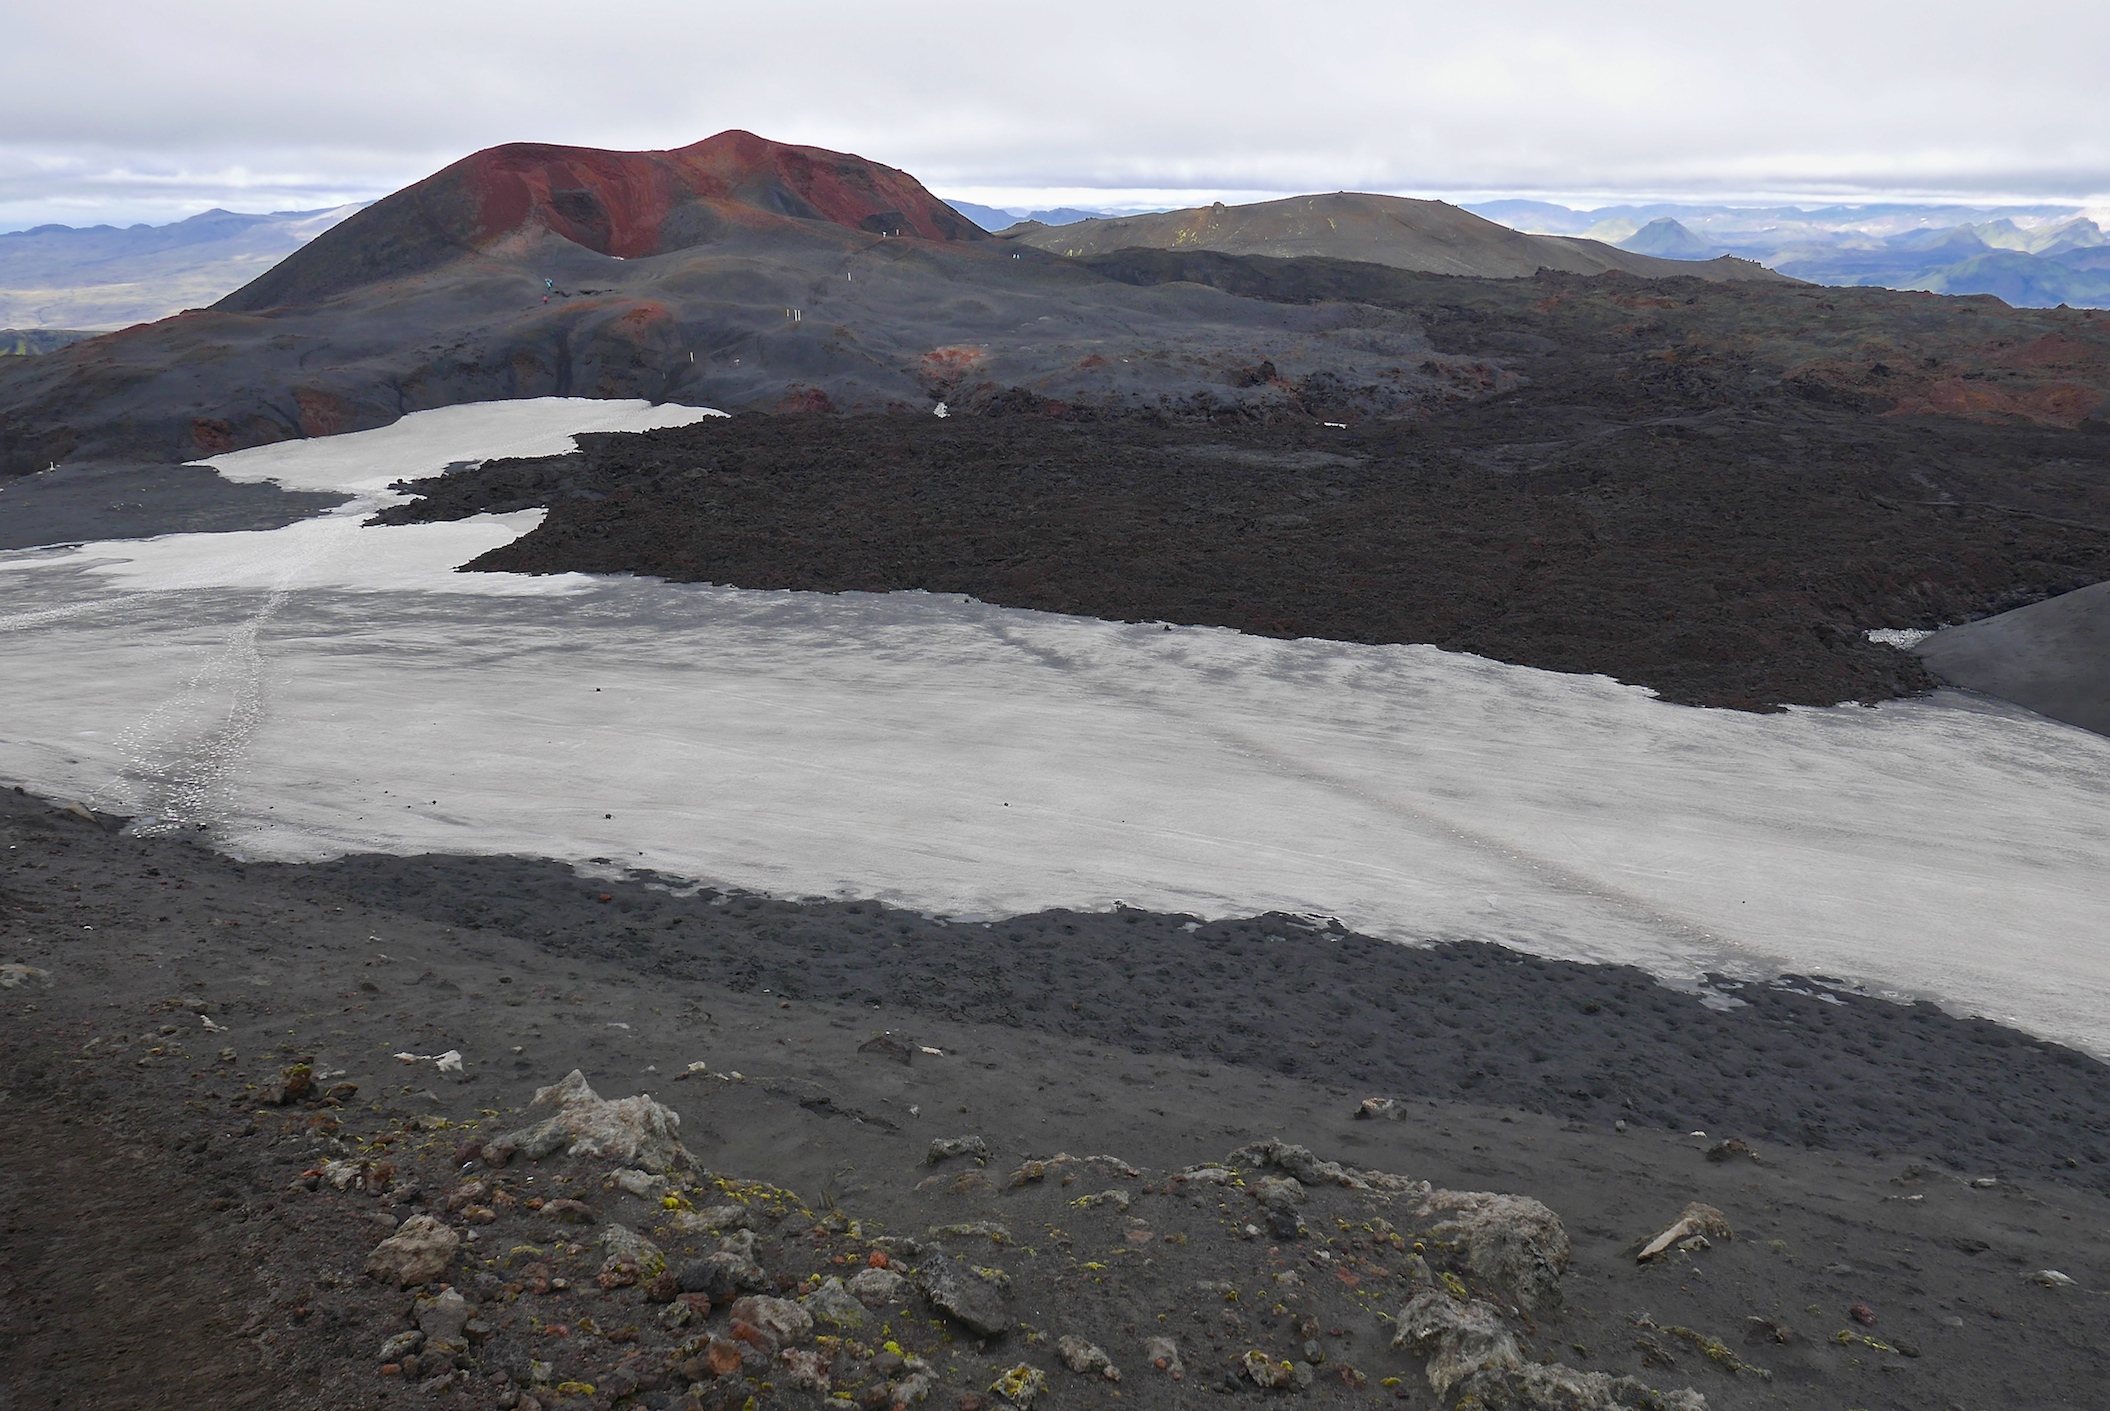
pixel 736 272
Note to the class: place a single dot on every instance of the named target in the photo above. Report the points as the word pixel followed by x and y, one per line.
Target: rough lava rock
pixel 779 1319
pixel 443 1316
pixel 713 1219
pixel 1086 1358
pixel 946 1148
pixel 417 1253
pixel 622 1242
pixel 735 1262
pixel 833 1303
pixel 955 1290
pixel 1021 1385
pixel 875 1288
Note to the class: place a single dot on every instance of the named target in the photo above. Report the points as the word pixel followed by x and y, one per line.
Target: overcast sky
pixel 114 110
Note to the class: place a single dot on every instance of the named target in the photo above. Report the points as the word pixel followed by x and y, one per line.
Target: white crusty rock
pixel 1472 1352
pixel 1550 1386
pixel 640 1183
pixel 915 1388
pixel 572 1118
pixel 735 1260
pixel 1695 1219
pixel 1277 1192
pixel 712 1219
pixel 1458 1339
pixel 1510 1239
pixel 1299 1161
pixel 1270 1374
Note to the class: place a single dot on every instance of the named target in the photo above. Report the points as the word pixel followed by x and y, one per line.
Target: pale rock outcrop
pixel 570 1117
pixel 417 1253
pixel 1511 1240
pixel 1473 1353
pixel 1696 1222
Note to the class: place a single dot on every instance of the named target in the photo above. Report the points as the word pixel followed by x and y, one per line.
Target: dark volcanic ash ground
pixel 222 1186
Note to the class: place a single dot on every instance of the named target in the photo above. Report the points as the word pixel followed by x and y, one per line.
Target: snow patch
pixel 426 443
pixel 326 688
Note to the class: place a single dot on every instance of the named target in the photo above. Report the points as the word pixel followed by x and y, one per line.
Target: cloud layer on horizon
pixel 115 112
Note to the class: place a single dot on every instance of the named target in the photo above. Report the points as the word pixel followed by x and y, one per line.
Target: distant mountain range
pixel 105 276
pixel 56 278
pixel 994 218
pixel 28 342
pixel 2035 257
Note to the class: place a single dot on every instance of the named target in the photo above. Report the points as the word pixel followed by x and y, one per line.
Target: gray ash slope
pixel 77 503
pixel 2052 657
pixel 1797 1062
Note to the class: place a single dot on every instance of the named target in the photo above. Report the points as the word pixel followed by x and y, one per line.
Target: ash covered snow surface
pixel 327 687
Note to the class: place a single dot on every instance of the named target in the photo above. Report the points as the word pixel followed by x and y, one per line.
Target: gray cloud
pixel 150 112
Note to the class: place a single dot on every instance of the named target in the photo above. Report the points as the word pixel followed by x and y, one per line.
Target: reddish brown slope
pixel 815 184
pixel 625 204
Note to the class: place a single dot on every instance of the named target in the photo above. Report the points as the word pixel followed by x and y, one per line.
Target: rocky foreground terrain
pixel 360 1135
pixel 625 1271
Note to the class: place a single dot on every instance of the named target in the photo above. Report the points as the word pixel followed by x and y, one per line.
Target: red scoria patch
pixel 618 203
